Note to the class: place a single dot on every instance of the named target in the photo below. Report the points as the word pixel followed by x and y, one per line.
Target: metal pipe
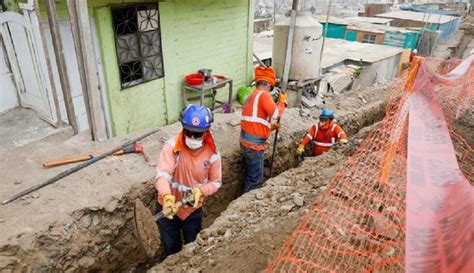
pixel 76 168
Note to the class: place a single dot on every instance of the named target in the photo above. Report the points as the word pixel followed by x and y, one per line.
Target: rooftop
pixel 367 27
pixel 418 16
pixel 335 50
pixel 332 20
pixel 373 20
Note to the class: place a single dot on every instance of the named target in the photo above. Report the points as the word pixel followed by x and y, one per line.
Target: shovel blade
pixel 146 228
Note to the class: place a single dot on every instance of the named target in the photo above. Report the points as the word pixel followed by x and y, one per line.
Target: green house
pixel 146 48
pixel 336 27
pixel 401 38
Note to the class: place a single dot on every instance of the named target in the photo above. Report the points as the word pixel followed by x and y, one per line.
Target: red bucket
pixel 195 79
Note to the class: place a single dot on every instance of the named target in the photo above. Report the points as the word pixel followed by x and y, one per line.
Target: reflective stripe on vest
pixel 254 117
pixel 316 131
pixel 324 144
pixel 252 139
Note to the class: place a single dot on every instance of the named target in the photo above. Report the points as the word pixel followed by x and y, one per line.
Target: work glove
pixel 343 141
pixel 195 197
pixel 300 149
pixel 283 97
pixel 276 126
pixel 169 206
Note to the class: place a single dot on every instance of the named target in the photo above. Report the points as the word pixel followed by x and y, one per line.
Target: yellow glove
pixel 300 149
pixel 169 206
pixel 195 196
pixel 283 97
pixel 343 141
pixel 276 126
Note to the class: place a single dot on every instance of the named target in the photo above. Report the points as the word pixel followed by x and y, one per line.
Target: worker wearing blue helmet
pixel 323 135
pixel 189 166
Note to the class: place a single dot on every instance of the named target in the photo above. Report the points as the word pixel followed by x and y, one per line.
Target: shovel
pixel 274 149
pixel 145 225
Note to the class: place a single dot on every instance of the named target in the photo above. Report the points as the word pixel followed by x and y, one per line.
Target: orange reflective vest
pixel 323 139
pixel 257 114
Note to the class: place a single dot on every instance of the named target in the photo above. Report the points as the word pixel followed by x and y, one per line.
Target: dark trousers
pixel 170 231
pixel 253 168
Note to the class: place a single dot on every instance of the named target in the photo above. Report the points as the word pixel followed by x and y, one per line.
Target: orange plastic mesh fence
pixel 358 224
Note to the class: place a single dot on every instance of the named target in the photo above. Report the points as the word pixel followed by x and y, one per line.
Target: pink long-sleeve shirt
pixel 179 169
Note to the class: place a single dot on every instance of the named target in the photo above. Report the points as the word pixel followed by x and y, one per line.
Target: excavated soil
pixel 84 221
pixel 250 232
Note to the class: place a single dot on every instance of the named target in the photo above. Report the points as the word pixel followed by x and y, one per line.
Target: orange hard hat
pixel 265 74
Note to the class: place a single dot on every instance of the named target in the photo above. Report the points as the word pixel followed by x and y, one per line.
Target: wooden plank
pixel 58 52
pixel 82 34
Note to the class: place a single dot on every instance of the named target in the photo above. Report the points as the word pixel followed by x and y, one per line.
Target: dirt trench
pixel 101 238
pixel 252 229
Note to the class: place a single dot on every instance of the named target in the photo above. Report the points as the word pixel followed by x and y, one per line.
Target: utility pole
pixel 324 37
pixel 289 45
pixel 58 52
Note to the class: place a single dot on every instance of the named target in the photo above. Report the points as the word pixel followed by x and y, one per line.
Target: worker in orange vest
pixel 260 115
pixel 323 135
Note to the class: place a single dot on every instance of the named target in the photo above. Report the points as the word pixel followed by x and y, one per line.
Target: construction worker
pixel 413 54
pixel 323 135
pixel 260 115
pixel 189 165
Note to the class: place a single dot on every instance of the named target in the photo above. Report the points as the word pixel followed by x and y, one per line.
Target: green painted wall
pixel 401 39
pixel 214 34
pixel 12 5
pixel 351 36
pixel 131 109
pixel 335 30
pixel 205 34
pixel 411 41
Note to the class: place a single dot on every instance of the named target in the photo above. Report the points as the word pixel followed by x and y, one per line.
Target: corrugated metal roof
pixel 373 20
pixel 358 51
pixel 418 16
pixel 332 20
pixel 376 28
pixel 336 51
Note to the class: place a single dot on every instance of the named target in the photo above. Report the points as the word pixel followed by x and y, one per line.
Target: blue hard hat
pixel 196 118
pixel 327 113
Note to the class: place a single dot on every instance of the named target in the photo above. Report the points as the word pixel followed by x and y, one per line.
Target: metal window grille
pixel 138 43
pixel 369 38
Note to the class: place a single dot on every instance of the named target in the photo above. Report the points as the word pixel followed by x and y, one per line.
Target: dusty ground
pixel 83 222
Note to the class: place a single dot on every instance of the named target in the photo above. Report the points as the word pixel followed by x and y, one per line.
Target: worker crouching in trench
pixel 323 135
pixel 189 168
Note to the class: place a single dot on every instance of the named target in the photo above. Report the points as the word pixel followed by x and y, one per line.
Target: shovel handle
pixel 161 214
pixel 66 161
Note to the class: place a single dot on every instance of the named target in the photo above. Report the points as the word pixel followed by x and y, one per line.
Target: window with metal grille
pixel 138 43
pixel 369 38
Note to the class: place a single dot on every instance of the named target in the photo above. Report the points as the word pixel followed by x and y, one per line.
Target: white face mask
pixel 193 143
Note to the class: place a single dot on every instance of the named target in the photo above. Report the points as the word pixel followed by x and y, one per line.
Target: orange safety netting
pixel 400 203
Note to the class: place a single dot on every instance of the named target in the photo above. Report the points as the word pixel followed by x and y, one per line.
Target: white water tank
pixel 307 42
